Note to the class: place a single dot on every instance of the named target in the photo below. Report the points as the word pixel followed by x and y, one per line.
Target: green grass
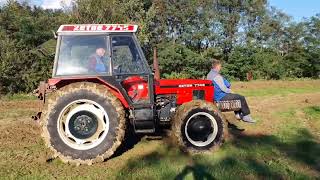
pixel 18 97
pixel 253 157
pixel 313 113
pixel 247 157
pixel 277 91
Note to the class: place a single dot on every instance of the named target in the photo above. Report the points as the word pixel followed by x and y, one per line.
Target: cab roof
pixel 96 28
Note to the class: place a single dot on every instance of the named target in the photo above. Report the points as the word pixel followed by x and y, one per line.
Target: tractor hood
pixel 183 83
pixel 185 90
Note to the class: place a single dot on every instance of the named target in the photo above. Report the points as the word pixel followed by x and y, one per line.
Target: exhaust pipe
pixel 156 64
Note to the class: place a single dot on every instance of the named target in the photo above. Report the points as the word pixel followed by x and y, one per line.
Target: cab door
pixel 131 70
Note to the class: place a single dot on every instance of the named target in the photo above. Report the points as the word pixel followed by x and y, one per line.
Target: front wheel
pixel 198 126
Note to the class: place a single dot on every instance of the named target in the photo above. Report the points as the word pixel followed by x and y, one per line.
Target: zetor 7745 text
pixel 101 85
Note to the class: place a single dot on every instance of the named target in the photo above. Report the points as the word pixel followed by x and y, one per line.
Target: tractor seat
pixel 233 105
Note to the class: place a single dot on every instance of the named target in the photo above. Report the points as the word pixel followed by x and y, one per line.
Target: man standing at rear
pixel 222 92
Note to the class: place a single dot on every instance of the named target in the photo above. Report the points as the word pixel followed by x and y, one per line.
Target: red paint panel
pixel 53 82
pixel 64 81
pixel 183 88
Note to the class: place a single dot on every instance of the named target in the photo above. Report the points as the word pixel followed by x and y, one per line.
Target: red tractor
pixel 102 84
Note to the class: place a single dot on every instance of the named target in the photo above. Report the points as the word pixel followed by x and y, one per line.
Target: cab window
pixel 83 55
pixel 126 57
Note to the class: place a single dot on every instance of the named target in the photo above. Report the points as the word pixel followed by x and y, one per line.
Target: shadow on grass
pixel 303 147
pixel 233 127
pixel 170 163
pixel 129 141
pixel 197 171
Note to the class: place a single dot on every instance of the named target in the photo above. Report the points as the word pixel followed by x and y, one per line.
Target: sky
pixel 298 9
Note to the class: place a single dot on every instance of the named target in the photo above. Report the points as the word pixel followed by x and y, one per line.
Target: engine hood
pixel 185 90
pixel 183 83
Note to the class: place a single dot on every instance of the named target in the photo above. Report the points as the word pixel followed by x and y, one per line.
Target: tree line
pixel 248 35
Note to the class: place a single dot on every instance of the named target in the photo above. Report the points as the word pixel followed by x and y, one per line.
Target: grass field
pixel 283 144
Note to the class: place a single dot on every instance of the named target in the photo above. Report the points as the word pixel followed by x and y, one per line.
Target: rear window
pixel 83 55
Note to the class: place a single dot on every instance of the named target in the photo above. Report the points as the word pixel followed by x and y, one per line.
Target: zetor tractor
pixel 102 84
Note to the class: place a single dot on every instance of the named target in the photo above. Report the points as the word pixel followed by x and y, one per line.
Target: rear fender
pixel 57 83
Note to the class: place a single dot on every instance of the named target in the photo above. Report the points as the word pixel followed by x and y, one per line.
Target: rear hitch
pixel 37 116
pixel 40 92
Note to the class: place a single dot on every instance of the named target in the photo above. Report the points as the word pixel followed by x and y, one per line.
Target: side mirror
pixel 54 34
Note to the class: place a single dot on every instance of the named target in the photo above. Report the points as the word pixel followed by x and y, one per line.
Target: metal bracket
pixel 40 92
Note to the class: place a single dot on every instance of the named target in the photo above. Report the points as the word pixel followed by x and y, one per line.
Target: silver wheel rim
pixel 210 138
pixel 78 106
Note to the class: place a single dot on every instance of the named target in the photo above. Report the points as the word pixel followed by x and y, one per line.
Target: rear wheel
pixel 198 126
pixel 84 123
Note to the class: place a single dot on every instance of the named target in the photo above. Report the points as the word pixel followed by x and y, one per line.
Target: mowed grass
pixel 272 88
pixel 278 91
pixel 17 97
pixel 284 144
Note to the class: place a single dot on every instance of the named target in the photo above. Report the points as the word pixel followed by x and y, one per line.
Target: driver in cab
pixel 98 62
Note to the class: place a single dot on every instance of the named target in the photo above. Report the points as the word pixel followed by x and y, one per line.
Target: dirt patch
pixel 9 105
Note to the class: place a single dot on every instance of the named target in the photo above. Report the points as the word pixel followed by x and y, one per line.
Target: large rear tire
pixel 198 126
pixel 83 123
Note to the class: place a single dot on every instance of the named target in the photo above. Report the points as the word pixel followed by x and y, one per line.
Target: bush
pixel 177 61
pixel 263 63
pixel 21 69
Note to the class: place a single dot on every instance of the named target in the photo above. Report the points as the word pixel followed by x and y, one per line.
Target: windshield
pixel 83 55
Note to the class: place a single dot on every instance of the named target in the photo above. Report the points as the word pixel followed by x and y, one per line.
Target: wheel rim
pixel 83 124
pixel 201 129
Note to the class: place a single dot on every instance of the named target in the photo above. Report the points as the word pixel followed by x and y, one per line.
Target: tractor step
pixel 143 121
pixel 144 126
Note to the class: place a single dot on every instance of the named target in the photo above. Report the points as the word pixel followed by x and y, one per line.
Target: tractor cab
pixel 79 46
pixel 109 52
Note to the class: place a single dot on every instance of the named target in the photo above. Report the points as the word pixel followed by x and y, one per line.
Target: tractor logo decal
pixel 185 86
pixel 98 28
